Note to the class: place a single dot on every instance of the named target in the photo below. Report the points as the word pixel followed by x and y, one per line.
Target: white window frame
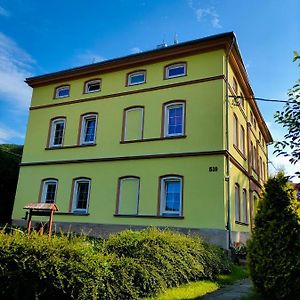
pixel 62 88
pixel 245 206
pixel 137 73
pixel 86 86
pixel 46 183
pixel 75 194
pixel 237 201
pixel 163 196
pixel 242 140
pixel 52 132
pixel 83 129
pixel 166 119
pixel 137 192
pixel 174 66
pixel 142 123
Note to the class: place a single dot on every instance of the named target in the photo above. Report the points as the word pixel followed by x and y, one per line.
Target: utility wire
pixel 261 99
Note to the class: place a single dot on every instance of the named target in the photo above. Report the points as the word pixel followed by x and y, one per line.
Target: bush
pixel 129 265
pixel 274 250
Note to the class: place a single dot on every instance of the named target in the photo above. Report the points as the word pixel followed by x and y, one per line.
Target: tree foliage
pixel 10 158
pixel 290 119
pixel 274 250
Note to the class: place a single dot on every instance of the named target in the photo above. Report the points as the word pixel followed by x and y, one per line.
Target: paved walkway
pixel 231 292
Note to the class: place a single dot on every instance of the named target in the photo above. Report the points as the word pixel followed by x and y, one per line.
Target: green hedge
pixel 128 265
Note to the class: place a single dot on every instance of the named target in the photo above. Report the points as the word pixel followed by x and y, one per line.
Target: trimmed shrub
pixel 129 265
pixel 274 250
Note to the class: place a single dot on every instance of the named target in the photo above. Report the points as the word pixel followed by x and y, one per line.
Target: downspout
pixel 227 177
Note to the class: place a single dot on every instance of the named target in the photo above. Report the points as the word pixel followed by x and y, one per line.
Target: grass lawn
pixel 194 290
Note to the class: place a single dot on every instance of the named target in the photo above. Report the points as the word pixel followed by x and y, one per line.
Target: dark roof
pixel 74 70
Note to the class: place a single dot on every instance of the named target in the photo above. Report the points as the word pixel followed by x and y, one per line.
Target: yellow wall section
pixel 204 112
pixel 198 66
pixel 133 124
pixel 202 191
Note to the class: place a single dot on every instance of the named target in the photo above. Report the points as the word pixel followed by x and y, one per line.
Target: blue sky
pixel 39 37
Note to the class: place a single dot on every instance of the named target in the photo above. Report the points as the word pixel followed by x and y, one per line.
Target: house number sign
pixel 213 169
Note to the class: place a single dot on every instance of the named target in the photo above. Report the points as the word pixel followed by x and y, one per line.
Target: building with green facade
pixel 171 137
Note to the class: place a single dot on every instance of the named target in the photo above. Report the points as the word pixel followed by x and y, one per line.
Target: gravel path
pixel 230 292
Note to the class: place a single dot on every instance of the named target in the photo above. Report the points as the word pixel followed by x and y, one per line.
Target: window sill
pixel 241 223
pixel 154 139
pixel 134 84
pixel 71 214
pixel 148 216
pixel 72 146
pixel 174 77
pixel 239 152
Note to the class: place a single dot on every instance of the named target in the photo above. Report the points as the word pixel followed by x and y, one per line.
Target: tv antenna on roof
pixel 175 39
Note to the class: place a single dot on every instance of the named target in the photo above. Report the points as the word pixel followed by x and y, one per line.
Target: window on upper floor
pixel 88 129
pixel 260 168
pixel 235 131
pixel 133 123
pixel 128 195
pixel 242 140
pixel 235 85
pixel 136 77
pixel 242 100
pixel 251 154
pixel 81 195
pixel 49 188
pixel 245 207
pixel 57 130
pixel 264 172
pixel 174 119
pixel 62 91
pixel 237 201
pixel 251 117
pixel 254 159
pixel 175 70
pixel 171 195
pixel 92 86
pixel 254 123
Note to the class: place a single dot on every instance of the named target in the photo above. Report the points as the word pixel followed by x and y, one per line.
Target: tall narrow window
pixel 92 86
pixel 237 203
pixel 175 70
pixel 133 123
pixel 49 188
pixel 264 171
pixel 242 100
pixel 242 140
pixel 254 158
pixel 81 195
pixel 251 154
pixel 245 207
pixel 174 114
pixel 57 131
pixel 171 196
pixel 128 195
pixel 137 77
pixel 260 167
pixel 88 129
pixel 235 131
pixel 62 91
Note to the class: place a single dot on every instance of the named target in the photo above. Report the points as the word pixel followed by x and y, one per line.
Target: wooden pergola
pixel 40 209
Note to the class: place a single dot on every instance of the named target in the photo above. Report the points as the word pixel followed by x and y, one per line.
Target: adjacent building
pixel 171 137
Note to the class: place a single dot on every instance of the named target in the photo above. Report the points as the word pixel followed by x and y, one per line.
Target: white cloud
pixel 135 50
pixel 7 135
pixel 4 12
pixel 204 14
pixel 87 57
pixel 15 65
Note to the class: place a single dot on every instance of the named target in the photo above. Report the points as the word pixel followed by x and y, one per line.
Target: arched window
pixel 245 207
pixel 81 195
pixel 128 195
pixel 175 70
pixel 62 91
pixel 92 86
pixel 88 128
pixel 171 195
pixel 174 118
pixel 237 202
pixel 136 77
pixel 133 123
pixel 57 131
pixel 49 188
